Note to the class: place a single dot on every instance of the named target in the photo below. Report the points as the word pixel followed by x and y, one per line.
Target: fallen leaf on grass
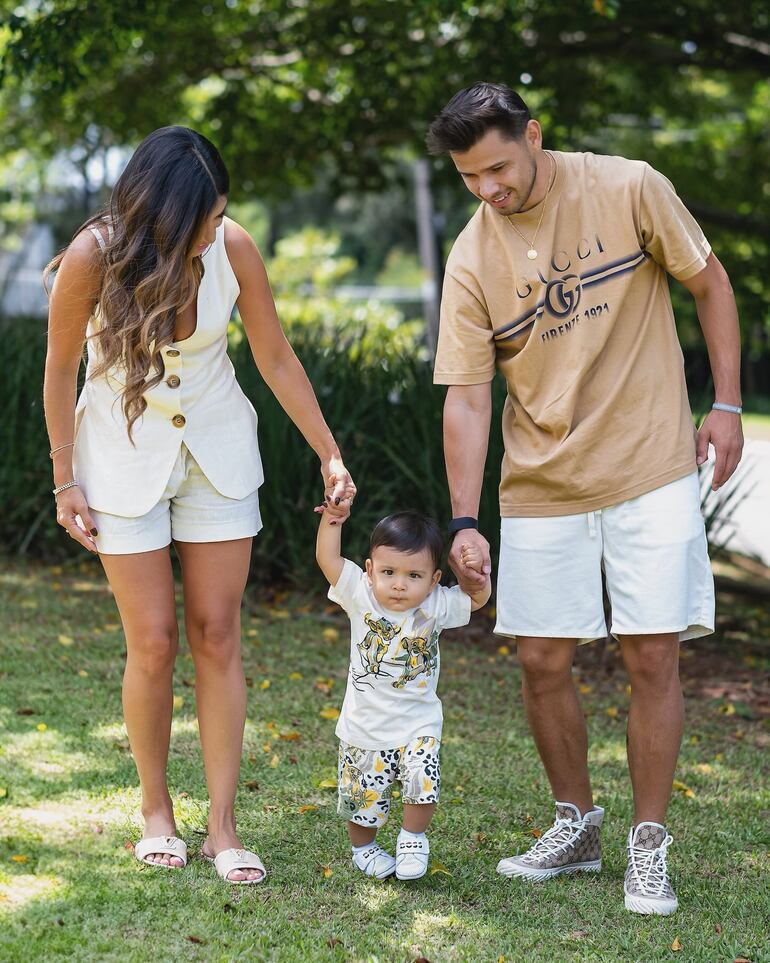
pixel 252 784
pixel 290 736
pixel 704 767
pixel 3 792
pixel 178 702
pixel 267 747
pixel 327 871
pixel 274 761
pixel 324 685
pixel 577 934
pixel 20 859
pixel 682 788
pixel 329 713
pixel 195 939
pixel 264 684
pixel 694 740
pixel 718 928
pixel 82 673
pixel 537 833
pixel 25 711
pixel 307 809
pixel 128 845
pixel 503 650
pixel 41 727
pixel 331 635
pixel 585 689
pixel 294 676
pixel 437 867
pixel 676 945
pixel 611 711
pixel 327 784
pixel 66 640
pixel 727 708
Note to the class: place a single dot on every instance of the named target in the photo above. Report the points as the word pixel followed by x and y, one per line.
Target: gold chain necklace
pixel 532 253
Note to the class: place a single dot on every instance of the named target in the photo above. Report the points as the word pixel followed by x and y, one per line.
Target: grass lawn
pixel 70 888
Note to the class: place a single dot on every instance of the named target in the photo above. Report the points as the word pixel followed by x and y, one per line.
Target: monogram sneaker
pixel 647 887
pixel 570 845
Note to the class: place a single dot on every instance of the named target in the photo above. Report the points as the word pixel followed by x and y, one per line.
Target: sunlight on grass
pixel 20 890
pixel 427 925
pixel 47 754
pixel 376 896
pixel 66 817
pixel 611 750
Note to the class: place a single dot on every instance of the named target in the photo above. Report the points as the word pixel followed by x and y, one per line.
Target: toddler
pixel 390 724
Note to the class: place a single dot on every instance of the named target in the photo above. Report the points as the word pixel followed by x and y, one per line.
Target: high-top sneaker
pixel 570 845
pixel 647 887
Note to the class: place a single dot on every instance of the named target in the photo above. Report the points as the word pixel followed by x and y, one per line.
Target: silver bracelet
pixel 733 409
pixel 64 487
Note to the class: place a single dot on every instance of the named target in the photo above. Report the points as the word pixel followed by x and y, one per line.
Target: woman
pixel 162 446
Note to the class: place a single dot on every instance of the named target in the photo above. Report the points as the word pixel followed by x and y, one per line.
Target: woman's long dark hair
pixel 157 212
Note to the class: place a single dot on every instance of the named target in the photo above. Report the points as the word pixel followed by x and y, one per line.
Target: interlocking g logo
pixel 562 296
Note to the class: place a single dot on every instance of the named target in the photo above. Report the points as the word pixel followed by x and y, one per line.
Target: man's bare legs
pixel 655 721
pixel 555 716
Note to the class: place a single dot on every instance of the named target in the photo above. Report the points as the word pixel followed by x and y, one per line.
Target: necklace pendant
pixel 532 254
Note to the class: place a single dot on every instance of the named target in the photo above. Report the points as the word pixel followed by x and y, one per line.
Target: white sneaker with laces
pixel 571 845
pixel 647 887
pixel 412 854
pixel 374 861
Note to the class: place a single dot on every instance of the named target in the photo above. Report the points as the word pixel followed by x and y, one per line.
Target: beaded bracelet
pixel 64 487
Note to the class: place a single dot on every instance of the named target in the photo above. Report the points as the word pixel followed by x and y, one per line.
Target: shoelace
pixel 553 841
pixel 648 868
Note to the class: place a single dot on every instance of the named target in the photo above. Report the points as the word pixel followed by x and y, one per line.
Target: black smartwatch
pixel 458 524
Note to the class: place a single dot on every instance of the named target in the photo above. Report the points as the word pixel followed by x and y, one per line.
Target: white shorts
pixel 655 559
pixel 189 510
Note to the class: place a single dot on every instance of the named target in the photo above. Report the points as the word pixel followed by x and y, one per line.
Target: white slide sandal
pixel 167 845
pixel 230 859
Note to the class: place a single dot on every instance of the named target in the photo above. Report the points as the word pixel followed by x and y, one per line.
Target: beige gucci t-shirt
pixel 597 409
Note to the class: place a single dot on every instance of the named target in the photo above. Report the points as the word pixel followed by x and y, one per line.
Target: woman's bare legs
pixel 143 585
pixel 214 576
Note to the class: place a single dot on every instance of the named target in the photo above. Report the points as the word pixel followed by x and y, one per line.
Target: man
pixel 559 280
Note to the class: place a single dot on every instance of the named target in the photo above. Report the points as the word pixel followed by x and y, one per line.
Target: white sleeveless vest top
pixel 199 402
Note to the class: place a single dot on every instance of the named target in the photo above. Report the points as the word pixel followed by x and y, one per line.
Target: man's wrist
pixel 460 523
pixel 733 409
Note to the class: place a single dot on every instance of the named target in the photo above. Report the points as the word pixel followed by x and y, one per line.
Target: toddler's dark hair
pixel 409 532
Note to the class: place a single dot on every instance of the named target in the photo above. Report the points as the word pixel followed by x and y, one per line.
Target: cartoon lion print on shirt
pixel 414 655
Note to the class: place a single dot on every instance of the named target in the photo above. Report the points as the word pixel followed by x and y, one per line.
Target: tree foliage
pixel 292 88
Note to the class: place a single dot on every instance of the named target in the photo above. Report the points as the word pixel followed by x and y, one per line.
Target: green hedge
pixel 375 388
